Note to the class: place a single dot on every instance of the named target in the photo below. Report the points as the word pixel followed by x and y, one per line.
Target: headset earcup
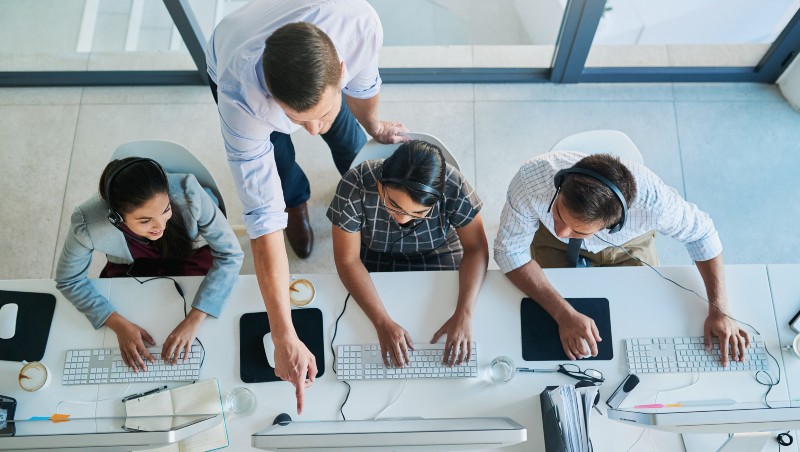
pixel 114 217
pixel 559 178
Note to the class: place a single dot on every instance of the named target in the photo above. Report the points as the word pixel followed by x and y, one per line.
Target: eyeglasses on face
pixel 403 212
pixel 574 371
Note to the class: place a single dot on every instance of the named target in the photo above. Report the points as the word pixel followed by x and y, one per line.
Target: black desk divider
pixel 539 331
pixel 34 317
pixel 253 365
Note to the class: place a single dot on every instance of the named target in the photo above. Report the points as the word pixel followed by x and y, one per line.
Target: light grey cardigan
pixel 91 231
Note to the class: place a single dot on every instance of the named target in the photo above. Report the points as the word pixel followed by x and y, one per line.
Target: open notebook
pixel 202 397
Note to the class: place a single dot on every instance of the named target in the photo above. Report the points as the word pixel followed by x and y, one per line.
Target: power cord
pixel 58 407
pixel 183 297
pixel 333 361
pixel 770 383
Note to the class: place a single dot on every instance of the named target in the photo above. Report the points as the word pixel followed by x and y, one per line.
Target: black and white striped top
pixel 429 244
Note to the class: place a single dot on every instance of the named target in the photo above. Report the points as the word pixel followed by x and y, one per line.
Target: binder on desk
pixel 566 412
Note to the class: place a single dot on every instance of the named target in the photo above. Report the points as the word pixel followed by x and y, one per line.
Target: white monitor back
pixel 742 417
pixel 105 434
pixel 392 435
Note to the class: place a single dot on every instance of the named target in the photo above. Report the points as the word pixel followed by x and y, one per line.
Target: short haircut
pixel 300 62
pixel 591 200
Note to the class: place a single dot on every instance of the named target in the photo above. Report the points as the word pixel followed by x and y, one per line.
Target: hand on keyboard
pixel 395 341
pixel 131 338
pixel 179 341
pixel 732 339
pixel 577 331
pixel 458 347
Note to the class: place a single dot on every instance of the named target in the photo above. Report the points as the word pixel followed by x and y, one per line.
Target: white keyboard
pixel 688 354
pixel 104 365
pixel 364 362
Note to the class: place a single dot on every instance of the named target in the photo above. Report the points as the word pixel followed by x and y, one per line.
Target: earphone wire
pixel 183 297
pixel 771 382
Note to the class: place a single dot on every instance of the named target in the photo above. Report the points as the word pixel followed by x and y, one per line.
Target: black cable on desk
pixel 333 361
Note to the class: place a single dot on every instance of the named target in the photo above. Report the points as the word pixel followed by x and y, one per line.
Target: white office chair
pixel 174 158
pixel 377 151
pixel 611 142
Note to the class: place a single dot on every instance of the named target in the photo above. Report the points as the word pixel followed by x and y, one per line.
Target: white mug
pixel 795 347
pixel 33 376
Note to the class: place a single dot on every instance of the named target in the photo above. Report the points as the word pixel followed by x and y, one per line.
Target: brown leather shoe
pixel 299 232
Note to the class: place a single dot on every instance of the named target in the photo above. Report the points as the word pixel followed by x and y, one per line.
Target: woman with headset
pixel 410 212
pixel 149 223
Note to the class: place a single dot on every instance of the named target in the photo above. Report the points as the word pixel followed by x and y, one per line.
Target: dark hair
pixel 591 200
pixel 134 186
pixel 300 62
pixel 419 162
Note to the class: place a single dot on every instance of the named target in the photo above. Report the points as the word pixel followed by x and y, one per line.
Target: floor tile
pixel 148 95
pixel 509 133
pixel 704 92
pixel 599 92
pixel 426 56
pixel 37 142
pixel 40 96
pixel 433 92
pixel 740 163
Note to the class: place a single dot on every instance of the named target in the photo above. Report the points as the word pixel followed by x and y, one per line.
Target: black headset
pixel 115 217
pixel 558 180
pixel 415 186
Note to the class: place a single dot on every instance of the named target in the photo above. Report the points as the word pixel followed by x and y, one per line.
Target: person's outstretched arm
pixel 471 274
pixel 366 112
pixel 393 338
pixel 293 361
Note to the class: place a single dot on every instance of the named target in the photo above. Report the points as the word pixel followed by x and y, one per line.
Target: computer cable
pixel 784 439
pixel 771 382
pixel 183 297
pixel 116 397
pixel 333 361
pixel 394 399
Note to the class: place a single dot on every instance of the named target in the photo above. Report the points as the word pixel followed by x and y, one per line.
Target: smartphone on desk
pixel 8 405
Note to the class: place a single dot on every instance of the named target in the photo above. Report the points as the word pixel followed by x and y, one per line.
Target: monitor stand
pixel 736 442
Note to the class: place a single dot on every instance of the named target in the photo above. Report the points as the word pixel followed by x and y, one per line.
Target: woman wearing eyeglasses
pixel 410 212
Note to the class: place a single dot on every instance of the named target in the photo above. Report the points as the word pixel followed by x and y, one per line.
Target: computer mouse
pixel 269 349
pixel 8 320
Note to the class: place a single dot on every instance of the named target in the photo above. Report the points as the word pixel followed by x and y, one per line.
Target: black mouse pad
pixel 540 340
pixel 34 317
pixel 253 365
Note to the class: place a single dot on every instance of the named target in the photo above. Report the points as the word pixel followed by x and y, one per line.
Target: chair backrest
pixel 611 142
pixel 174 158
pixel 374 150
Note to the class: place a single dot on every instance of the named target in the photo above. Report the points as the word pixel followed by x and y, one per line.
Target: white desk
pixel 784 280
pixel 642 305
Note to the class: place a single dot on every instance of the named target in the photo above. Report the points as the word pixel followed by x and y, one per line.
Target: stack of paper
pixel 574 408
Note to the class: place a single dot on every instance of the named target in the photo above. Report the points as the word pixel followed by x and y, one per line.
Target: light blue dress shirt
pixel 249 114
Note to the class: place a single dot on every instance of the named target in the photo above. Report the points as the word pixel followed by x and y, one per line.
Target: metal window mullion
pixel 578 28
pixel 184 20
pixel 781 53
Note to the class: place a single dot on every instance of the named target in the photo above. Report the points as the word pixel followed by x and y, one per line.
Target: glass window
pixel 686 33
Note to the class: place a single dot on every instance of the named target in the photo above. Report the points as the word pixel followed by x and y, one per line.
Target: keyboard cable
pixel 333 361
pixel 770 382
pixel 183 297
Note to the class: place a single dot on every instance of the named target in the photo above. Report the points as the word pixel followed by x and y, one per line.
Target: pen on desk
pixel 146 393
pixel 526 369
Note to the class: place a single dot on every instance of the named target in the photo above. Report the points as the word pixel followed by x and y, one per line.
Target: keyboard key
pixel 364 362
pixel 100 366
pixel 688 354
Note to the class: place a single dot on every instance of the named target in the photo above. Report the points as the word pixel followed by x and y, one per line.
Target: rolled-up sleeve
pixel 72 273
pixel 518 224
pixel 366 83
pixel 252 163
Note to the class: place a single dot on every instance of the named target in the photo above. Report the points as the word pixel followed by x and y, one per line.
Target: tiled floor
pixel 731 148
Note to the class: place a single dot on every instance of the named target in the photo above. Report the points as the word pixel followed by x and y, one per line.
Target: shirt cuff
pixel 706 248
pixel 511 261
pixel 260 222
pixel 365 93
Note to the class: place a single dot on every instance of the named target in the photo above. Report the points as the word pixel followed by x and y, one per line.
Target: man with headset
pixel 597 210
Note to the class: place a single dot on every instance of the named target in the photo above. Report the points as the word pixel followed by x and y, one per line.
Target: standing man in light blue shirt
pixel 276 66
